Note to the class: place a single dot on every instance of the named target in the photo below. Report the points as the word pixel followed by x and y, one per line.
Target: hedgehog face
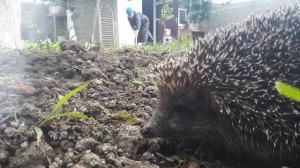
pixel 181 114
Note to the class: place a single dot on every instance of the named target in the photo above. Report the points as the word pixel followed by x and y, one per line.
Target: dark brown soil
pixel 30 86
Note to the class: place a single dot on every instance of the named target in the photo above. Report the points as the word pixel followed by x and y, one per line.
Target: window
pixel 181 16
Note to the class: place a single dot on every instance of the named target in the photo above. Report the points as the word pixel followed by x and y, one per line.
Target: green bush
pixel 45 46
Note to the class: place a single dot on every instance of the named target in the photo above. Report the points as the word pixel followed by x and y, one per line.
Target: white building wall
pixel 126 36
pixel 238 12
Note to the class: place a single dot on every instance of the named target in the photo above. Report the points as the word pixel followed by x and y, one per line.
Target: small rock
pixel 3 127
pixel 68 72
pixel 121 104
pixel 24 144
pixel 150 88
pixel 25 157
pixel 118 78
pixel 93 73
pixel 132 106
pixel 147 156
pixel 57 163
pixel 66 144
pixel 72 46
pixel 78 166
pixel 53 135
pixel 111 158
pixel 136 164
pixel 90 158
pixel 104 148
pixel 148 109
pixel 153 101
pixel 153 145
pixel 120 151
pixel 110 104
pixel 4 154
pixel 69 156
pixel 64 127
pixel 10 132
pixel 63 135
pixel 130 74
pixel 38 166
pixel 86 143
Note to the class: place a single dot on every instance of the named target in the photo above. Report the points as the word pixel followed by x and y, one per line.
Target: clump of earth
pixel 30 86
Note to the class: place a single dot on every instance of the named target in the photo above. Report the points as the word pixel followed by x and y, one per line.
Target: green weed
pixel 45 46
pixel 54 114
pixel 109 50
pixel 127 117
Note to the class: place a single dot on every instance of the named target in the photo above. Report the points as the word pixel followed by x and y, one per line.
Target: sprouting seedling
pixel 69 96
pixel 288 91
pixel 39 134
pixel 54 114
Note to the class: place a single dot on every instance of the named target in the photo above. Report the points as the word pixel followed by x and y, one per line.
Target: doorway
pixel 147 9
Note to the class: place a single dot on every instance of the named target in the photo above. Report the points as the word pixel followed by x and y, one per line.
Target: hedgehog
pixel 223 91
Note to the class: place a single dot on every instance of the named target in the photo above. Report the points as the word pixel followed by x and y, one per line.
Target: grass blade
pixel 69 95
pixel 288 91
pixel 67 114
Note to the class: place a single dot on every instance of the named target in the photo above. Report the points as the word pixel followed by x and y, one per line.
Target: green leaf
pixel 126 116
pixel 138 81
pixel 288 91
pixel 39 134
pixel 68 114
pixel 69 95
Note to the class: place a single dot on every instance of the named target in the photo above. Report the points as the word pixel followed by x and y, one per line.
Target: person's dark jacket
pixel 137 20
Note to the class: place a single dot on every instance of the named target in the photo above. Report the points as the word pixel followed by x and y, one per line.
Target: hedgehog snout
pixel 148 131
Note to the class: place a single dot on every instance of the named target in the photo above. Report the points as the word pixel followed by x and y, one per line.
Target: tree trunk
pixel 95 20
pixel 70 23
pixel 10 21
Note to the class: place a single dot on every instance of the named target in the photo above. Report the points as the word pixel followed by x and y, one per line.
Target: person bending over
pixel 140 25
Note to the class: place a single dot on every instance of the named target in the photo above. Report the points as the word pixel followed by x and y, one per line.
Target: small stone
pixel 39 166
pixel 147 156
pixel 66 144
pixel 3 154
pixel 10 132
pixel 24 144
pixel 69 156
pixel 90 158
pixel 3 127
pixel 153 101
pixel 86 143
pixel 78 166
pixel 104 148
pixel 64 127
pixel 120 151
pixel 148 108
pixel 63 134
pixel 111 158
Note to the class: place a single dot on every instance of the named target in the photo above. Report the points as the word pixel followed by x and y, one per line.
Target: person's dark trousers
pixel 144 33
